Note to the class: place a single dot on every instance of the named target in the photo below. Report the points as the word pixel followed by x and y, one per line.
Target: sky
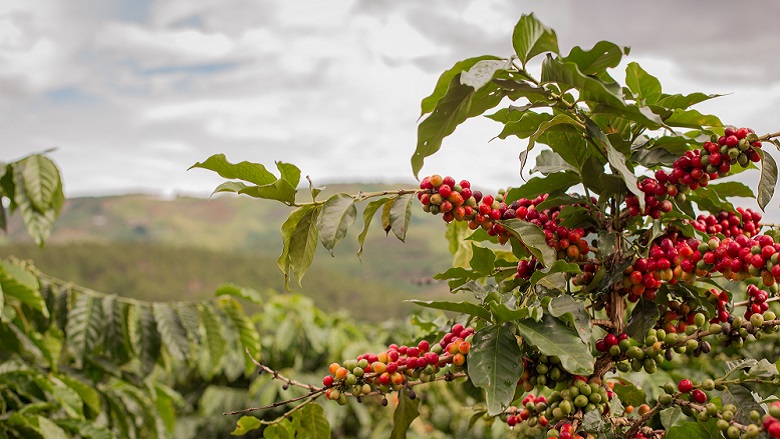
pixel 132 93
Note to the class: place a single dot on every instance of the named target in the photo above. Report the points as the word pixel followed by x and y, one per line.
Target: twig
pixel 279 376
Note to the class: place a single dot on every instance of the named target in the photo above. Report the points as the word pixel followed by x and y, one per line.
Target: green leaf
pixel 482 72
pixel 645 86
pixel 288 230
pixel 694 430
pixel 251 172
pixel 230 186
pixel 766 186
pixel 591 89
pixel 616 159
pixel 248 294
pixel 246 424
pixel 41 180
pixel 650 157
pixel 572 312
pixel 86 429
pixel 559 119
pixel 525 126
pixel 368 215
pixel 531 38
pixel 280 190
pixel 483 260
pixel 602 56
pixel 38 223
pixel 503 313
pixel 172 333
pixel 567 141
pixel 247 332
pixel 215 342
pixel 84 327
pixel 533 238
pixel 282 430
pixel 299 234
pixel 629 393
pixel 743 399
pixel 164 404
pixel 116 339
pixel 643 318
pixel 684 101
pixel 337 215
pixel 50 430
pixel 731 189
pixel 314 423
pixel 20 284
pixel 460 103
pixel 692 119
pixel 553 337
pixel 461 307
pixel 290 173
pixel 548 162
pixel 401 215
pixel 149 342
pixel 86 392
pixel 555 182
pixel 672 416
pixel 429 103
pixel 495 365
pixel 407 411
pixel 559 266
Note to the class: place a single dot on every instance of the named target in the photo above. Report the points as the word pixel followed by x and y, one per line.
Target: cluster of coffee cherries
pixel 742 257
pixel 771 422
pixel 393 368
pixel 677 315
pixel 757 303
pixel 671 258
pixel 729 223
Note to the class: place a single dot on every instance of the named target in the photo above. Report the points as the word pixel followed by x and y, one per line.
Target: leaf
pixel 692 119
pixel 460 103
pixel 149 343
pixel 20 284
pixel 616 159
pixel 251 172
pixel 764 369
pixel 555 182
pixel 407 411
pixel 280 190
pixel 503 313
pixel 461 307
pixel 482 72
pixel 650 157
pixel 337 215
pixel 442 85
pixel 483 260
pixel 629 393
pixel 247 332
pixel 531 38
pixel 743 399
pixel 314 423
pixel 645 87
pixel 288 231
pixel 230 186
pixel 559 119
pixel 282 430
pixel 644 316
pixel 495 365
pixel 38 223
pixel 50 430
pixel 672 416
pixel 164 404
pixel 215 342
pixel 116 339
pixel 694 430
pixel 533 238
pixel 525 126
pixel 553 337
pixel 41 180
pixel 684 101
pixel 368 215
pixel 567 141
pixel 246 424
pixel 289 173
pixel 172 333
pixel 548 162
pixel 401 215
pixel 300 238
pixel 248 294
pixel 731 189
pixel 572 312
pixel 84 327
pixel 591 89
pixel 559 266
pixel 86 392
pixel 602 56
pixel 768 181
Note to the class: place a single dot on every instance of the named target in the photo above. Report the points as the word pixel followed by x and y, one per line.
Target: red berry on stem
pixel 685 386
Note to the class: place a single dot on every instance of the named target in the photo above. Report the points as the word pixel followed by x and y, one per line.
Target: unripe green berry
pixel 715 328
pixel 757 320
pixel 665 399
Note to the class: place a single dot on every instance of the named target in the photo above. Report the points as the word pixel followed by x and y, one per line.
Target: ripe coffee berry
pixel 685 386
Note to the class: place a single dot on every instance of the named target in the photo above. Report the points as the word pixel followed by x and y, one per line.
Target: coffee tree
pixel 618 293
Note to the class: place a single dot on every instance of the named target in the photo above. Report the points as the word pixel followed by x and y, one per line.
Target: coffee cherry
pixel 685 386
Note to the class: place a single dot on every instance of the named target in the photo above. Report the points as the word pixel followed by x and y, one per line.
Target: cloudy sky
pixel 133 92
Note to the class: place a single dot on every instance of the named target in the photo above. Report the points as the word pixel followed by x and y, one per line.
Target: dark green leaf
pixel 495 365
pixel 766 186
pixel 531 38
pixel 461 307
pixel 568 142
pixel 556 182
pixel 483 260
pixel 629 393
pixel 429 103
pixel 503 313
pixel 368 215
pixel 337 215
pixel 407 411
pixel 743 399
pixel 482 72
pixel 525 126
pixel 559 119
pixel 591 89
pixel 559 266
pixel 248 336
pixel 653 157
pixel 38 223
pixel 299 234
pixel 672 416
pixel 572 312
pixel 694 430
pixel 215 342
pixel 401 215
pixel 84 327
pixel 116 340
pixel 616 159
pixel 643 318
pixel 460 103
pixel 731 189
pixel 602 56
pixel 172 333
pixel 553 337
pixel 149 342
pixel 646 87
pixel 533 238
pixel 20 284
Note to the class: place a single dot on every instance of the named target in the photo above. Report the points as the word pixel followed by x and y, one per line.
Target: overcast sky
pixel 133 92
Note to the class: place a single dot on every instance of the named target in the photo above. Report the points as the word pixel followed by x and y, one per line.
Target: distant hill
pixel 180 248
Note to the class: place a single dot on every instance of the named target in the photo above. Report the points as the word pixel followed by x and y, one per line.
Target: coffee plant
pixel 616 294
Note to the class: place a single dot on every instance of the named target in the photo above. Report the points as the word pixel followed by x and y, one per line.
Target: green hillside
pixel 164 249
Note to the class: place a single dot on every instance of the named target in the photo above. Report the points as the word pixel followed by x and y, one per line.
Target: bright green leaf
pixel 248 294
pixel 597 60
pixel 531 38
pixel 645 86
pixel 313 422
pixel 483 260
pixel 251 172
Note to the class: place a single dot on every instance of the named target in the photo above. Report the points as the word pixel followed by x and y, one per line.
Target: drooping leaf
pixel 368 215
pixel 533 238
pixel 461 307
pixel 41 180
pixel 84 327
pixel 768 181
pixel 116 340
pixel 553 337
pixel 645 86
pixel 39 224
pixel 280 190
pixel 299 234
pixel 215 342
pixel 692 119
pixel 401 215
pixel 290 173
pixel 429 103
pixel 684 101
pixel 495 365
pixel 172 333
pixel 247 332
pixel 248 294
pixel 337 215
pixel 408 410
pixel 288 230
pixel 602 56
pixel 149 342
pixel 616 159
pixel 531 38
pixel 460 103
